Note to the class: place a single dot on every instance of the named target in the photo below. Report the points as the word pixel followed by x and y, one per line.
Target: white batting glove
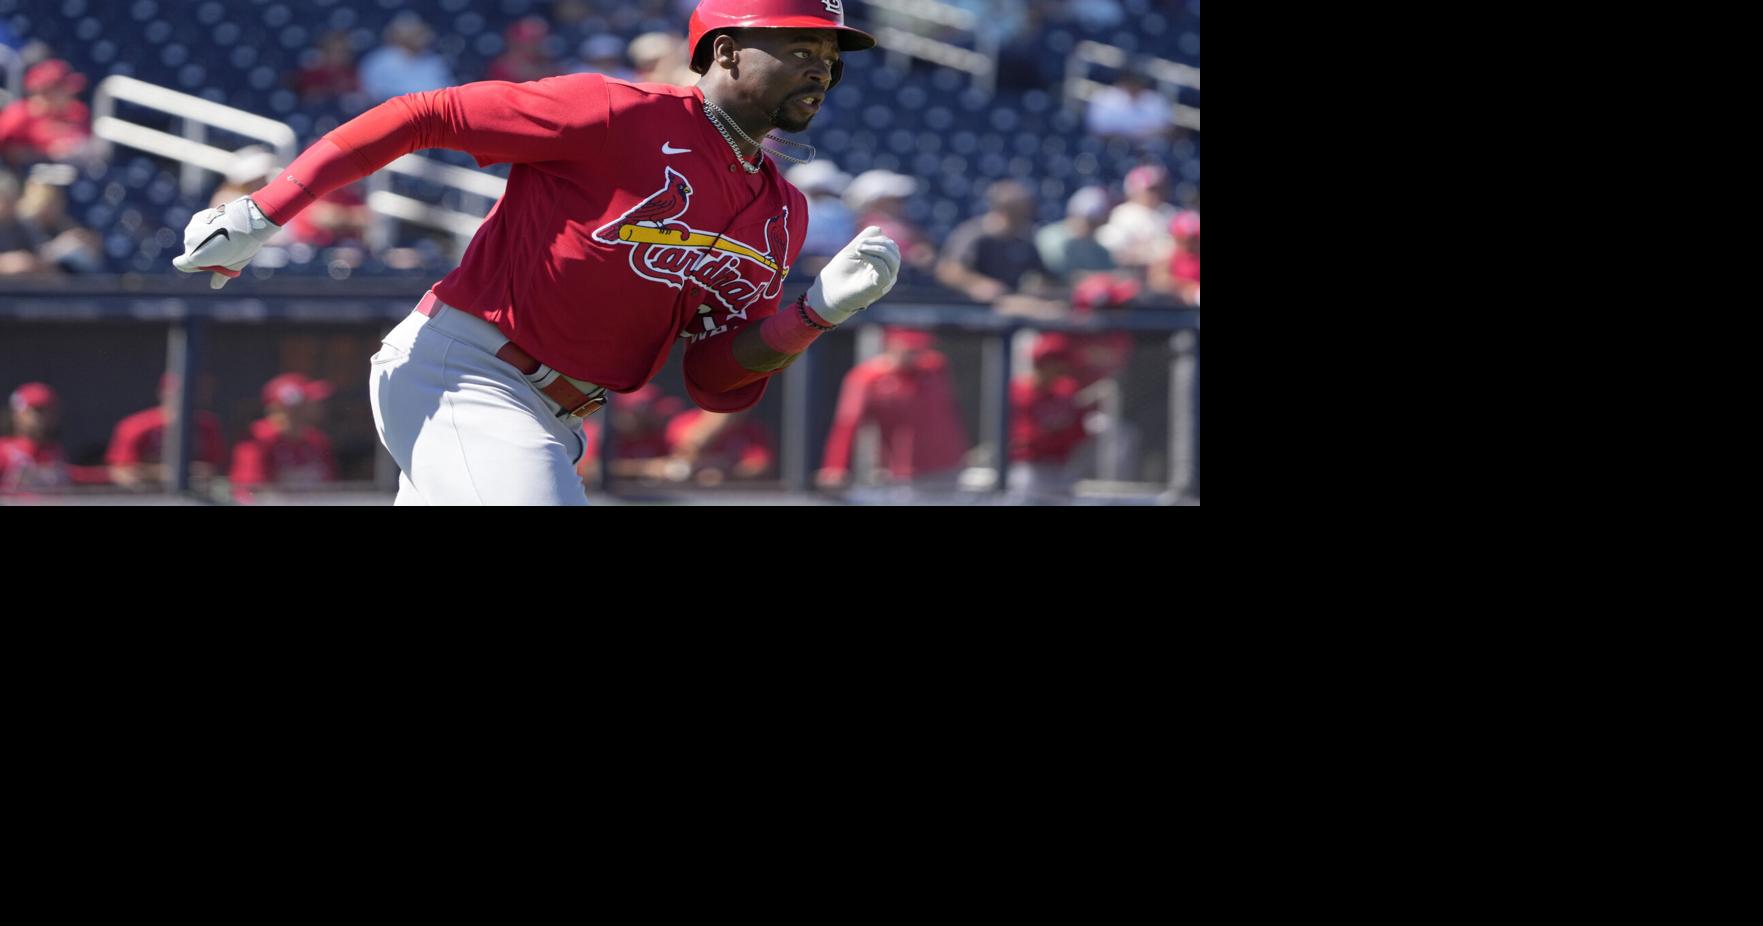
pixel 224 239
pixel 861 273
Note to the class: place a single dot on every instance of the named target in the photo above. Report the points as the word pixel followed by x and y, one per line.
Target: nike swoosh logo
pixel 218 233
pixel 668 148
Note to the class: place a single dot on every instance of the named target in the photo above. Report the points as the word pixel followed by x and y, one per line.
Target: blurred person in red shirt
pixel 1103 355
pixel 1047 419
pixel 49 123
pixel 526 57
pixel 286 448
pixel 32 458
pixel 907 394
pixel 137 445
pixel 1180 275
pixel 711 448
pixel 639 427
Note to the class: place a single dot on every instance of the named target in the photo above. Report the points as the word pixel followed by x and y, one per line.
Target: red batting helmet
pixel 712 16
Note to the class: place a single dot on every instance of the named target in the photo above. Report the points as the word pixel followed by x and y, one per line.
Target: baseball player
pixel 636 215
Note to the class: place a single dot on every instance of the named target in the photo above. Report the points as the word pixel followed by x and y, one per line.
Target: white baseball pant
pixel 465 427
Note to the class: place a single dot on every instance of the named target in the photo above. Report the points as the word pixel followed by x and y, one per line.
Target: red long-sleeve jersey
pixel 627 224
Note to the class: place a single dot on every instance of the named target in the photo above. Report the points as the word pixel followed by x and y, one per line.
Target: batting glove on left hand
pixel 224 239
pixel 861 273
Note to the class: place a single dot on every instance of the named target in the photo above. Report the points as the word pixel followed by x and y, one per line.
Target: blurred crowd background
pixel 1058 179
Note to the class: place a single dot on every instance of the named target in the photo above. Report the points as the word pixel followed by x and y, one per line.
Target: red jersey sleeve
pixel 555 119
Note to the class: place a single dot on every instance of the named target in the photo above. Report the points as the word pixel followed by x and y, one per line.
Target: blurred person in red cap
pixel 1103 355
pixel 1180 274
pixel 49 123
pixel 526 58
pixel 906 394
pixel 286 447
pixel 1047 418
pixel 137 444
pixel 32 457
pixel 710 448
pixel 639 427
pixel 1137 233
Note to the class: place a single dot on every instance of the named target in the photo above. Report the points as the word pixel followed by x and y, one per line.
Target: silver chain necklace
pixel 717 116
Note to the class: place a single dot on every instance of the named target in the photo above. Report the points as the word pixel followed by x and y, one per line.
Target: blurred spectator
pixel 287 448
pixel 1069 247
pixel 604 54
pixel 526 57
pixel 1095 15
pixel 710 448
pixel 993 255
pixel 341 217
pixel 1137 233
pixel 1180 275
pixel 661 58
pixel 405 64
pixel 878 197
pixel 252 167
pixel 32 457
pixel 328 70
pixel 639 426
pixel 1132 108
pixel 830 224
pixel 61 243
pixel 1100 356
pixel 906 393
pixel 18 247
pixel 137 445
pixel 49 123
pixel 1046 419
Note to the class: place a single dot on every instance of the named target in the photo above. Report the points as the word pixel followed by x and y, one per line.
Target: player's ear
pixel 724 51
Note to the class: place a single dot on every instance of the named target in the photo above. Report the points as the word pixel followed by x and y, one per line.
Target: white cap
pixel 872 185
pixel 818 177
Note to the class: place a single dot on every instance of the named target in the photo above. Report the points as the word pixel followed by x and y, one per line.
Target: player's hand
pixel 223 240
pixel 861 273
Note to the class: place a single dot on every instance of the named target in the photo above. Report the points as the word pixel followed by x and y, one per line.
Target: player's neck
pixel 755 123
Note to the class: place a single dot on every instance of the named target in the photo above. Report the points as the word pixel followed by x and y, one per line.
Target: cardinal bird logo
pixel 660 209
pixel 666 250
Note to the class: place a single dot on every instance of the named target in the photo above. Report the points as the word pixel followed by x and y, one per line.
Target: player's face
pixel 793 68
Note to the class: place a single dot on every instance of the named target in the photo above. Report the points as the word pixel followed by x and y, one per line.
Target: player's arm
pixel 556 119
pixel 861 273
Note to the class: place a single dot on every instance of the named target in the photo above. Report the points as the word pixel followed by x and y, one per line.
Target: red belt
pixel 573 401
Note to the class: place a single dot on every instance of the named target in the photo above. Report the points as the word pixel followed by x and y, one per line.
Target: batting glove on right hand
pixel 861 273
pixel 224 239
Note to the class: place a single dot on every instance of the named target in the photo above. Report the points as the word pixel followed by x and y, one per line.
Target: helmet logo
pixel 834 6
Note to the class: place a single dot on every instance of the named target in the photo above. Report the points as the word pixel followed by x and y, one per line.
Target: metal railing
pixel 390 207
pixel 1168 75
pixel 901 44
pixel 198 116
pixel 191 310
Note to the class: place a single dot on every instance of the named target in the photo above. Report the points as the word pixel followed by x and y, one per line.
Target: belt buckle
pixel 590 406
